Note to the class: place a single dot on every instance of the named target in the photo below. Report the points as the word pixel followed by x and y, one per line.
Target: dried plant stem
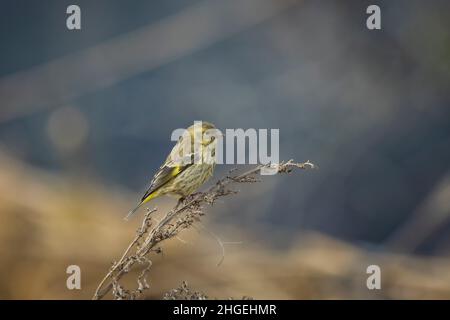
pixel 179 218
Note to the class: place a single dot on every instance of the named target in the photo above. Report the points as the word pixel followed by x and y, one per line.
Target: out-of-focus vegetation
pixel 49 223
pixel 86 118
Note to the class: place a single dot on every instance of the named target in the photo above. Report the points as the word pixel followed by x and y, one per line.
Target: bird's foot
pixel 193 196
pixel 187 199
pixel 180 202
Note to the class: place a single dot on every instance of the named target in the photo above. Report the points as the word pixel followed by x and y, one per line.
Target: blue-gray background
pixel 371 108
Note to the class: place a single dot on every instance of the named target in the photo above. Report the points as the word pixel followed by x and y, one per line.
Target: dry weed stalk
pixel 182 216
pixel 185 292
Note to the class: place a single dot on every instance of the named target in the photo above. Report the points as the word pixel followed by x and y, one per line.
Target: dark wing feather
pixel 165 173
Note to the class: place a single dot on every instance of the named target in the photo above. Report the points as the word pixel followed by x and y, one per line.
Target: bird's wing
pixel 165 173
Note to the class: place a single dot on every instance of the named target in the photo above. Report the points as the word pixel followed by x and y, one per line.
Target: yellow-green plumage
pixel 178 179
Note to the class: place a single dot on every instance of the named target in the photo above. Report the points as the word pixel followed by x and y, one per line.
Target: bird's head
pixel 205 131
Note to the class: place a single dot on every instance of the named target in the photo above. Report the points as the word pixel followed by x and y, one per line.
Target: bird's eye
pixel 213 138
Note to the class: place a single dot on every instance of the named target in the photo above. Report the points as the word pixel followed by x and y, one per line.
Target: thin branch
pixel 148 239
pixel 220 242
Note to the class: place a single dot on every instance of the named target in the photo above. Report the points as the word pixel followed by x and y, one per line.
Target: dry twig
pixel 149 238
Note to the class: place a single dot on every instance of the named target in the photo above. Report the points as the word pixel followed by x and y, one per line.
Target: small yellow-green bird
pixel 181 178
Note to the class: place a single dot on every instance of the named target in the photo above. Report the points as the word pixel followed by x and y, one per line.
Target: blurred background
pixel 86 118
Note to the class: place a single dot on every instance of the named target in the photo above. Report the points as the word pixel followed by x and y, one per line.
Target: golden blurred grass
pixel 49 222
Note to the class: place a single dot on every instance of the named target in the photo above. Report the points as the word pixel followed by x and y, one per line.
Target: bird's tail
pixel 144 201
pixel 133 211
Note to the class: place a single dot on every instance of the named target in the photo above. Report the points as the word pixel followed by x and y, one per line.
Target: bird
pixel 188 166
